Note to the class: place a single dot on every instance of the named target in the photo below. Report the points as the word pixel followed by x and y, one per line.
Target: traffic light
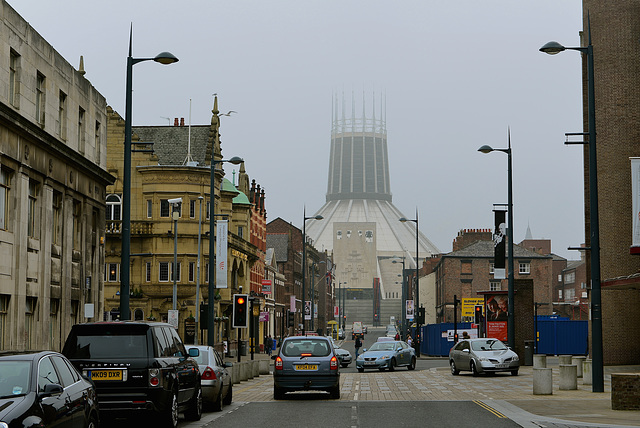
pixel 477 314
pixel 240 311
pixel 290 319
pixel 420 316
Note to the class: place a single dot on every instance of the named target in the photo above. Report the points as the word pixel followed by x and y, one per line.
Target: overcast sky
pixel 456 75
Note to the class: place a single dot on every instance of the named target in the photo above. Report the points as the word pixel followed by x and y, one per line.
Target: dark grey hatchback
pixel 306 363
pixel 137 367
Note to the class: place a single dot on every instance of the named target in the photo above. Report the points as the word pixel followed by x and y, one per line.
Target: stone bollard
pixel 255 367
pixel 577 361
pixel 568 377
pixel 542 381
pixel 587 373
pixel 249 365
pixel 244 371
pixel 564 359
pixel 264 366
pixel 235 373
pixel 540 361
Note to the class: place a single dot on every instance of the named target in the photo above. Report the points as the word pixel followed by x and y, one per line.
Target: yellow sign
pixel 238 254
pixel 468 305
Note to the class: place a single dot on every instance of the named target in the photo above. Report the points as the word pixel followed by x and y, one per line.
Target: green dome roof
pixel 228 186
pixel 241 199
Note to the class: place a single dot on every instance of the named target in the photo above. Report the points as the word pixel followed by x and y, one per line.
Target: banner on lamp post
pixel 499 244
pixel 635 203
pixel 409 309
pixel 221 253
pixel 307 309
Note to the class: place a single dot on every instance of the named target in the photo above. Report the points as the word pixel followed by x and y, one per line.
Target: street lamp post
pixel 511 332
pixel 211 337
pixel 163 58
pixel 417 298
pixel 304 260
pixel 553 48
pixel 175 214
pixel 403 309
pixel 200 198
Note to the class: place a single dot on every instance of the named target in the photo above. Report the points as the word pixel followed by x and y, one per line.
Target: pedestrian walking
pixel 358 345
pixel 269 345
pixel 409 340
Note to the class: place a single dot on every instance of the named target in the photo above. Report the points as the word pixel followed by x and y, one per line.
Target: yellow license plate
pixel 105 375
pixel 307 367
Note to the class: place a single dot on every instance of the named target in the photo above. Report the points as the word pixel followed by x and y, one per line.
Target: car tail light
pixel 334 363
pixel 154 379
pixel 278 363
pixel 306 354
pixel 209 374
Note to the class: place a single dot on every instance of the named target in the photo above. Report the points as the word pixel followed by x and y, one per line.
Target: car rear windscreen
pixel 114 344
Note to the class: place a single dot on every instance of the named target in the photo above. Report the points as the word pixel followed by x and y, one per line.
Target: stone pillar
pixel 564 359
pixel 568 377
pixel 542 381
pixel 577 361
pixel 539 361
pixel 587 378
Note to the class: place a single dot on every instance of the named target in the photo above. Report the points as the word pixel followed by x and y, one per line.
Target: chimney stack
pixel 182 121
pixel 175 122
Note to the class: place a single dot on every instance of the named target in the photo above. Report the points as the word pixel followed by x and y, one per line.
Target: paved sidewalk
pixel 510 395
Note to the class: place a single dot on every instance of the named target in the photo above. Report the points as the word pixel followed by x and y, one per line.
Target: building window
pixel 30 316
pixel 338 234
pixel 147 274
pixel 525 268
pixel 192 271
pixel 77 225
pixel 495 285
pixel 208 210
pixel 138 315
pixel 492 266
pixel 149 208
pixel 569 295
pixel 14 78
pixel 192 208
pixel 163 274
pixel 81 130
pixel 75 306
pixel 57 218
pixel 206 273
pixel 164 208
pixel 570 277
pixel 112 272
pixel 4 310
pixel 98 142
pixel 240 231
pixel 40 98
pixel 5 181
pixel 560 294
pixel 62 116
pixel 33 211
pixel 114 208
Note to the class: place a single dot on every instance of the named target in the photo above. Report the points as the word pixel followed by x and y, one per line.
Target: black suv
pixel 137 366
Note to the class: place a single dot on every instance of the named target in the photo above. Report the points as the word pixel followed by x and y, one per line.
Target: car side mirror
pixel 51 389
pixel 466 350
pixel 228 365
pixel 194 352
pixel 364 350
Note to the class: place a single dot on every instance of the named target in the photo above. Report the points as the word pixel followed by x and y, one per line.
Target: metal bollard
pixel 542 381
pixel 568 377
pixel 539 361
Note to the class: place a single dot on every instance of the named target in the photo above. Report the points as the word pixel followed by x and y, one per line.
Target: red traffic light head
pixel 241 300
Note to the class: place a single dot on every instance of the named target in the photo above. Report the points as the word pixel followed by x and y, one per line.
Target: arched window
pixel 114 208
pixel 138 315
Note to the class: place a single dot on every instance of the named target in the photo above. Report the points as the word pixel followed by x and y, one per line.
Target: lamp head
pixel 165 58
pixel 552 48
pixel 404 220
pixel 318 217
pixel 485 149
pixel 236 160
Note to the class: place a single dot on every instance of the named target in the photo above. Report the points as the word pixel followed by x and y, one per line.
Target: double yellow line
pixel 489 409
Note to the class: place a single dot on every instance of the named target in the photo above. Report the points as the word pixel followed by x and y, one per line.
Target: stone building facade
pixel 162 170
pixel 52 191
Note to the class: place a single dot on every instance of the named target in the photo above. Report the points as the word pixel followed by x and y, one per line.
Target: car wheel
pixel 474 370
pixel 392 364
pixel 454 369
pixel 217 404
pixel 412 364
pixel 361 370
pixel 194 412
pixel 169 417
pixel 278 393
pixel 345 365
pixel 335 392
pixel 514 372
pixel 229 397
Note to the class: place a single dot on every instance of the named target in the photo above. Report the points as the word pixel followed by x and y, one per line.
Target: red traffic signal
pixel 477 314
pixel 240 311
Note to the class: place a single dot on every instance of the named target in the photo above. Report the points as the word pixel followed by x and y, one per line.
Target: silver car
pixel 343 355
pixel 217 388
pixel 483 356
pixel 387 355
pixel 306 363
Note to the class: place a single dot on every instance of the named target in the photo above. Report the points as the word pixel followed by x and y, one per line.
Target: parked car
pixel 137 367
pixel 343 355
pixel 306 363
pixel 217 388
pixel 341 334
pixel 387 355
pixel 483 356
pixel 364 329
pixel 39 389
